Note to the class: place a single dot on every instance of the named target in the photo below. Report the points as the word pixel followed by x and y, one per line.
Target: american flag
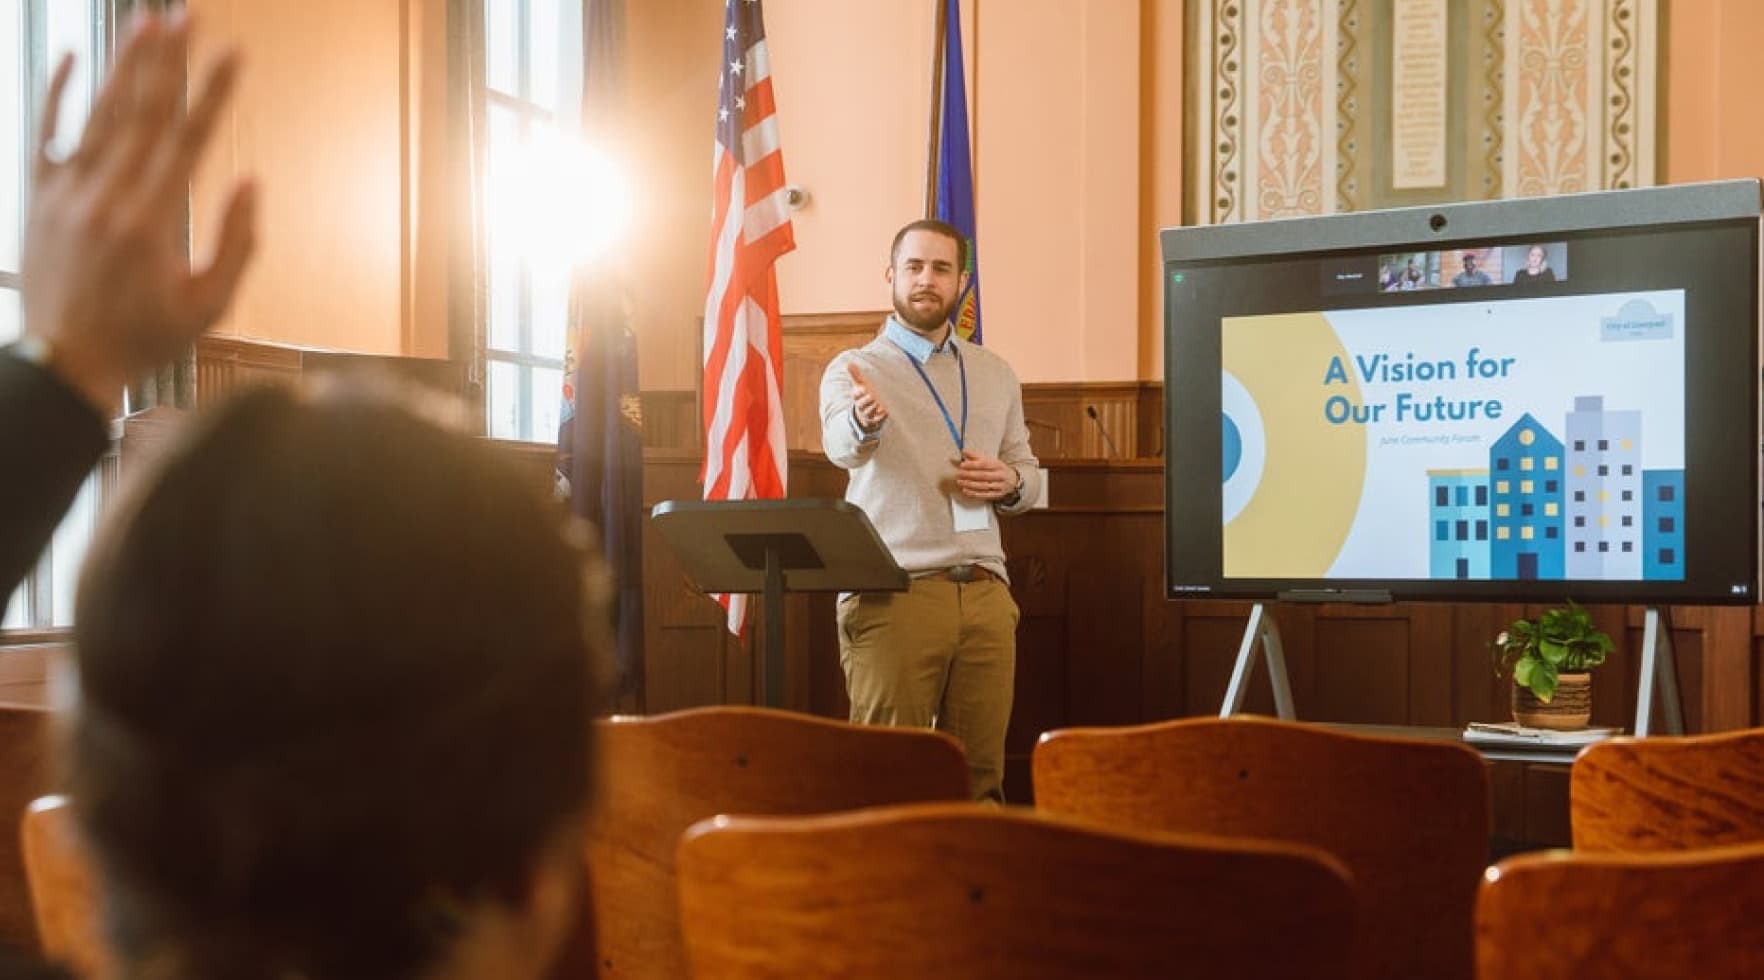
pixel 744 455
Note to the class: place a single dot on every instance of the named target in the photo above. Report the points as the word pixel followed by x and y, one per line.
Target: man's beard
pixel 927 322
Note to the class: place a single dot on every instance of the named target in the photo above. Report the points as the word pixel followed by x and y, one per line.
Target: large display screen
pixel 1564 405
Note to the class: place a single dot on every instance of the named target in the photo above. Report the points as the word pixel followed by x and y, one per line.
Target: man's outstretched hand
pixel 108 285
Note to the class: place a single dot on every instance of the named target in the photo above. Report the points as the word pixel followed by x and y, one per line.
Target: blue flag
pixel 955 170
pixel 600 454
pixel 600 423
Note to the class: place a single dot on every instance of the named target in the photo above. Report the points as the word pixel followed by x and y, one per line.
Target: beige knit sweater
pixel 904 475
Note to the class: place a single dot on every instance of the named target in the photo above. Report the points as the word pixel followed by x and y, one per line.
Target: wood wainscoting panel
pixel 810 344
pixel 670 420
pixel 224 363
pixel 1064 408
pixel 24 672
pixel 1056 414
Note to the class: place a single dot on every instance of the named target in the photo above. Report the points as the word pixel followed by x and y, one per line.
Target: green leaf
pixel 1553 651
pixel 1543 682
pixel 1522 671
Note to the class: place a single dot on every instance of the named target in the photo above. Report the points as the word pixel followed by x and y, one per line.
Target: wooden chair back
pixel 661 774
pixel 1410 818
pixel 1639 916
pixel 64 891
pixel 1668 793
pixel 24 776
pixel 979 892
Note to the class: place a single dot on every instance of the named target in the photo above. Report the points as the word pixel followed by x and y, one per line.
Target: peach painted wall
pixel 317 120
pixel 1058 100
pixel 852 82
pixel 1077 122
pixel 1713 79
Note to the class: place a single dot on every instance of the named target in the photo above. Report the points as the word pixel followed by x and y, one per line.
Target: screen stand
pixel 1659 671
pixel 1262 628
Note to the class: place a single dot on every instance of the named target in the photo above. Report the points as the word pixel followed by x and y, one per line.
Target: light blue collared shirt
pixel 918 347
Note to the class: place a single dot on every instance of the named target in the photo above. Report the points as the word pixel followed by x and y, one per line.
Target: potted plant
pixel 1550 661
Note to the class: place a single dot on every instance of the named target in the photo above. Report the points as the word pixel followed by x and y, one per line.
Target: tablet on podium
pixel 776 546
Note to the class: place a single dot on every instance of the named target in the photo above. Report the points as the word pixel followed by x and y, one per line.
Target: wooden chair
pixel 1410 818
pixel 24 776
pixel 1668 793
pixel 965 890
pixel 662 774
pixel 1638 916
pixel 64 891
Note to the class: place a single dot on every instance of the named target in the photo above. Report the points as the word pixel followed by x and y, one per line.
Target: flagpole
pixel 940 40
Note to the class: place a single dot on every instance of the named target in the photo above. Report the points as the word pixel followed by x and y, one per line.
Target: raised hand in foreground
pixel 109 289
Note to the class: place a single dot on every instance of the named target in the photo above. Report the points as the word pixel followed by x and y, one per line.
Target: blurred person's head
pixel 1534 259
pixel 336 664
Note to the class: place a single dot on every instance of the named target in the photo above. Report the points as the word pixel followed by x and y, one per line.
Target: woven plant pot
pixel 1571 708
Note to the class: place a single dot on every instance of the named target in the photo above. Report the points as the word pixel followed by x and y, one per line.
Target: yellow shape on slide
pixel 1303 508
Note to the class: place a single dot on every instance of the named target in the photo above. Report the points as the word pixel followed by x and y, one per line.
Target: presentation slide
pixel 1523 438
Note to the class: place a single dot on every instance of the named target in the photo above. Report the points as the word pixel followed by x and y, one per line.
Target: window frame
pixel 529 116
pixel 40 620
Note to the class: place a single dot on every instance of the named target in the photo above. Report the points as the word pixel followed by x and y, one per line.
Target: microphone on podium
pixel 1109 441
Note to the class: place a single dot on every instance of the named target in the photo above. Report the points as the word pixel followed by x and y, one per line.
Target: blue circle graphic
pixel 1233 444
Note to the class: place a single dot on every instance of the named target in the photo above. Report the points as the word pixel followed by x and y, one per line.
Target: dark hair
pixel 336 668
pixel 943 228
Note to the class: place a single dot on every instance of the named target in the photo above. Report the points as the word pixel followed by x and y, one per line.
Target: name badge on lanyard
pixel 966 513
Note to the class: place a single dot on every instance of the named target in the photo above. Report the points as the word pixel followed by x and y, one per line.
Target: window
pixel 1526 510
pixel 1441 530
pixel 1463 496
pixel 1580 522
pixel 1580 445
pixel 1580 546
pixel 1628 520
pixel 1628 470
pixel 1442 496
pixel 1668 556
pixel 1550 486
pixel 1552 532
pixel 1667 525
pixel 1604 470
pixel 1481 495
pixel 1463 529
pixel 1604 444
pixel 1666 493
pixel 1503 463
pixel 33 37
pixel 1604 546
pixel 533 76
pixel 1629 495
pixel 1628 547
pixel 1482 530
pixel 1580 496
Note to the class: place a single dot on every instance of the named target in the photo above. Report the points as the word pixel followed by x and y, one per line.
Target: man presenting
pixel 931 430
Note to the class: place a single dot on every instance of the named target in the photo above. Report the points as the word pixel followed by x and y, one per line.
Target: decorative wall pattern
pixel 1292 123
pixel 1291 110
pixel 1491 116
pixel 1347 99
pixel 1553 95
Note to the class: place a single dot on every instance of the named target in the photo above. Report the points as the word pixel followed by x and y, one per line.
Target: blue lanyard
pixel 959 435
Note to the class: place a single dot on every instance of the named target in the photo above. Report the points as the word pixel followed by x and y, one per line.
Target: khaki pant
pixel 943 655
